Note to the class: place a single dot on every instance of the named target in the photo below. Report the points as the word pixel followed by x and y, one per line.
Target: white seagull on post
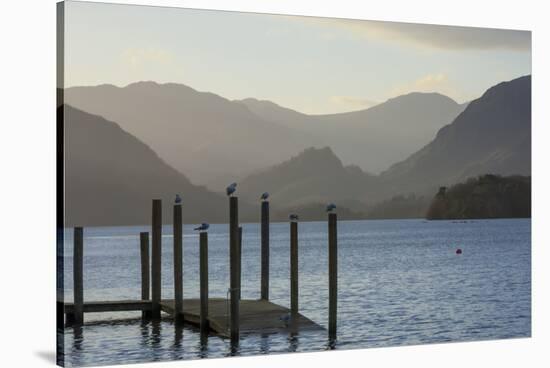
pixel 331 207
pixel 264 196
pixel 178 199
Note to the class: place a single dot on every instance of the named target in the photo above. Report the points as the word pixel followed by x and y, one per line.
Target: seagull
pixel 293 217
pixel 285 318
pixel 204 226
pixel 231 189
pixel 264 196
pixel 331 207
pixel 178 199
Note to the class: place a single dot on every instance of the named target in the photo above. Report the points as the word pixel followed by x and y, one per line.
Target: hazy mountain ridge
pixel 372 138
pixel 111 178
pixel 229 141
pixel 492 135
pixel 236 138
pixel 313 176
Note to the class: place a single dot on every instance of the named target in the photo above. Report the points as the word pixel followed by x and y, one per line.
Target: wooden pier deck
pixel 111 306
pixel 256 316
pixel 226 317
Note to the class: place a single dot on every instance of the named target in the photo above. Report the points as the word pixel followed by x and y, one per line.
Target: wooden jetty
pixel 225 317
pixel 256 316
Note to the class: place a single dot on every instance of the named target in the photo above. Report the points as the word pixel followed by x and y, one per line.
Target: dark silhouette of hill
pixel 491 136
pixel 313 176
pixel 488 196
pixel 374 138
pixel 111 178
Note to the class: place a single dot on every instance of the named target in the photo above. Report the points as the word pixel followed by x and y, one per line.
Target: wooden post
pixel 145 278
pixel 264 283
pixel 204 283
pixel 294 267
pixel 178 267
pixel 78 286
pixel 156 258
pixel 240 258
pixel 332 274
pixel 234 267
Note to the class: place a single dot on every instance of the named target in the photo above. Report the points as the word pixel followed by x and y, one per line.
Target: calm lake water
pixel 400 283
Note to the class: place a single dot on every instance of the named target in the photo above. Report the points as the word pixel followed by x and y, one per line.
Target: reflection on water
pixel 400 283
pixel 293 342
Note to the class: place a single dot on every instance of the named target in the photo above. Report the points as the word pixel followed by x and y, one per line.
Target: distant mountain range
pixel 375 138
pixel 213 140
pixel 491 136
pixel 313 176
pixel 111 178
pixel 112 173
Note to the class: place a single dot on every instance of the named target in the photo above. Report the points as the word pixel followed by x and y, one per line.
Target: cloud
pixel 353 102
pixel 433 36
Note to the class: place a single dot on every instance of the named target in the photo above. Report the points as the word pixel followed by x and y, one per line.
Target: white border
pixel 27 151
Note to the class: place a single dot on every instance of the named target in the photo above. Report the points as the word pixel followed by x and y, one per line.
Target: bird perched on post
pixel 178 199
pixel 293 217
pixel 231 189
pixel 264 196
pixel 204 226
pixel 331 207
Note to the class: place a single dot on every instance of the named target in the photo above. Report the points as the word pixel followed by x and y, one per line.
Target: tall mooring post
pixel 203 255
pixel 156 232
pixel 78 266
pixel 145 270
pixel 264 283
pixel 178 266
pixel 332 274
pixel 294 267
pixel 240 258
pixel 234 267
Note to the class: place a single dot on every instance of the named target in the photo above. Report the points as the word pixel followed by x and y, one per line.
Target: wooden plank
pixel 239 260
pixel 78 282
pixel 234 267
pixel 156 257
pixel 178 254
pixel 332 274
pixel 145 270
pixel 294 267
pixel 204 283
pixel 111 306
pixel 256 316
pixel 264 233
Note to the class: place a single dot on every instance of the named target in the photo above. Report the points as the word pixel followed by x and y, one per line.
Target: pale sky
pixel 312 65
